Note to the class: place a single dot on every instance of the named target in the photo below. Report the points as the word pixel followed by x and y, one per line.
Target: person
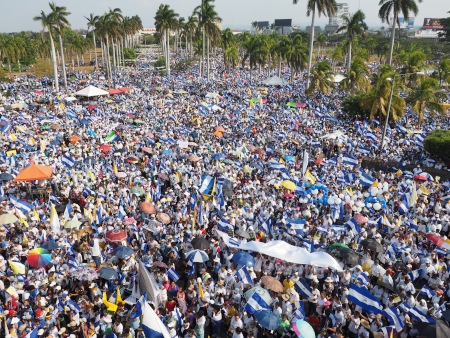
pixel 95 250
pixel 284 324
pixel 217 322
pixel 200 324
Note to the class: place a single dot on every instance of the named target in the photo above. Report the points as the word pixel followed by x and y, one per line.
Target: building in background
pixel 283 26
pixel 336 21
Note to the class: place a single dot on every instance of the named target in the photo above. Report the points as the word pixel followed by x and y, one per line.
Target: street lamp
pixel 392 80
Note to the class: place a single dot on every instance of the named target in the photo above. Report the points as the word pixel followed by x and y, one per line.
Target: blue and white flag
pixel 403 307
pixel 207 185
pixel 308 244
pixel 256 304
pixel 173 275
pixel 138 308
pixel 295 223
pixel 33 334
pixel 302 286
pixel 387 330
pixel 68 161
pixel 349 160
pixel 365 179
pixel 73 305
pixel 121 214
pixel 152 326
pixel 20 204
pixel 300 312
pixel 415 274
pixel 87 192
pixel 363 278
pixel 418 315
pixel 427 291
pixel 53 199
pixel 244 276
pixel 68 211
pixel 359 295
pixel 353 224
pixel 224 225
pixel 402 208
pixel 394 318
pixel 391 251
pixel 73 262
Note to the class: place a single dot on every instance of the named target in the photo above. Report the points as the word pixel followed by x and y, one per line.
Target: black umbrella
pixel 50 246
pixel 60 208
pixel 108 273
pixel 372 245
pixel 200 243
pixel 348 256
pixel 6 177
pixel 438 330
pixel 446 315
pixel 387 286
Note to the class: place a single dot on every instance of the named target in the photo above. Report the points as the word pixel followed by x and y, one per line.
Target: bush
pixel 438 143
pixel 160 63
pixel 351 105
pixel 129 53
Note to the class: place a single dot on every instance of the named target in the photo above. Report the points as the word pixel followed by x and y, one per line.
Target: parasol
pixel 148 208
pixel 108 273
pixel 200 243
pixel 244 259
pixel 197 256
pixel 303 329
pixel 268 319
pixel 50 246
pixel 160 264
pixel 163 218
pixel 123 252
pixel 116 236
pixel 372 245
pixel 8 219
pixel 272 283
pixel 85 274
pixel 37 258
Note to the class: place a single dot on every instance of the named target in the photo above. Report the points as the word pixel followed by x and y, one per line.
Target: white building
pixel 336 21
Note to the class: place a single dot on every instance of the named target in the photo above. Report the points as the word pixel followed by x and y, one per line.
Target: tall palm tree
pixel 354 26
pixel 47 22
pixel 92 21
pixel 321 78
pixel 443 71
pixel 190 26
pixel 229 49
pixel 60 14
pixel 389 12
pixel 427 95
pixel 322 7
pixel 357 78
pixel 321 40
pixel 165 20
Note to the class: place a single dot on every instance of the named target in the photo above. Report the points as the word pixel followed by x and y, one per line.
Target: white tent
pixel 275 81
pixel 91 91
pixel 338 78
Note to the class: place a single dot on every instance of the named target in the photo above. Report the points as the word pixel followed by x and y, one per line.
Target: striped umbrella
pixel 39 257
pixel 197 256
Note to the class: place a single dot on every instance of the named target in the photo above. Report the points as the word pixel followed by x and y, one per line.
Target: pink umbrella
pixel 163 218
pixel 288 195
pixel 300 105
pixel 121 174
pixel 360 219
pixel 129 220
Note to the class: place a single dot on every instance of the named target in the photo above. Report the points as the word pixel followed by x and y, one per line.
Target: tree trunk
pixel 203 46
pixel 62 60
pixel 108 60
pixel 103 57
pixel 349 56
pixel 207 57
pixel 168 53
pixel 391 49
pixel 55 67
pixel 279 66
pixel 190 46
pixel 311 46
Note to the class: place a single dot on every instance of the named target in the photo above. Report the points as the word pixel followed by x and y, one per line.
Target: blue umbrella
pixel 197 256
pixel 218 157
pixel 167 152
pixel 244 259
pixel 289 158
pixel 84 121
pixel 268 319
pixel 50 246
pixel 123 252
pixel 108 273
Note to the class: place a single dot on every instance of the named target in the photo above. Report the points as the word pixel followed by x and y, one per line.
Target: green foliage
pixel 183 65
pixel 352 106
pixel 43 67
pixel 129 53
pixel 445 34
pixel 160 63
pixel 438 143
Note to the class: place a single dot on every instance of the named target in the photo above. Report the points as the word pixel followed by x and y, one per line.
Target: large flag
pixel 256 304
pixel 353 224
pixel 419 316
pixel 207 185
pixel 33 334
pixel 152 326
pixel 68 161
pixel 138 309
pixel 349 160
pixel 359 295
pixel 17 267
pixel 303 287
pixel 224 225
pixel 394 318
pixel 427 291
pixel 173 275
pixel 113 136
pixel 20 204
pixel 244 276
pixel 365 179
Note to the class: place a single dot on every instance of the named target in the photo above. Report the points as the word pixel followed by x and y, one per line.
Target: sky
pixel 17 15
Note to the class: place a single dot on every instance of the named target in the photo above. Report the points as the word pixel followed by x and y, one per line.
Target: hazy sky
pixel 17 15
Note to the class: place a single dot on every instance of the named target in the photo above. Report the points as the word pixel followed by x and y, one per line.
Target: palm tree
pixel 165 20
pixel 427 95
pixel 229 49
pixel 325 7
pixel 296 55
pixel 321 78
pixel 377 100
pixel 253 51
pixel 357 78
pixel 92 21
pixel 443 71
pixel 60 14
pixel 355 26
pixel 255 27
pixel 47 22
pixel 190 26
pixel 336 56
pixel 321 40
pixel 393 8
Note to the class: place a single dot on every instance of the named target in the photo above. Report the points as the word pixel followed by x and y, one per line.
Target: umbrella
pixel 348 256
pixel 73 224
pixel 337 246
pixel 256 166
pixel 242 233
pixel 387 286
pixel 436 239
pixel 50 246
pixel 167 152
pixel 197 256
pixel 218 157
pixel 121 174
pixel 438 330
pixel 37 258
pixel 220 129
pixel 6 177
pixel 105 147
pixel 116 236
pixel 260 151
pixel 147 150
pixel 108 273
pixel 244 259
pixel 272 283
pixel 74 139
pixel 160 264
pixel 288 195
pixel 85 273
pixel 193 144
pixel 288 185
pixel 250 147
pixel 263 293
pixel 132 159
pixel 148 208
pixel 372 245
pixel 218 134
pixel 139 191
pixel 163 176
pixel 420 178
pixel 360 219
pixel 163 218
pixel 268 319
pixel 303 329
pixel 123 252
pixel 200 243
pixel 129 220
pixel 291 104
pixel 34 172
pixel 194 158
pixel 7 219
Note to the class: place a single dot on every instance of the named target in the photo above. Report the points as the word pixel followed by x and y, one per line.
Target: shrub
pixel 351 105
pixel 129 53
pixel 160 63
pixel 438 143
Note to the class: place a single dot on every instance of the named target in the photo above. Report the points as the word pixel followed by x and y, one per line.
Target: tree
pixel 444 35
pixel 427 95
pixel 296 55
pixel 165 20
pixel 229 49
pixel 389 12
pixel 438 143
pixel 47 22
pixel 92 21
pixel 352 106
pixel 321 78
pixel 377 100
pixel 354 26
pixel 253 51
pixel 357 78
pixel 60 21
pixel 255 27
pixel 190 26
pixel 443 71
pixel 325 7
pixel 321 41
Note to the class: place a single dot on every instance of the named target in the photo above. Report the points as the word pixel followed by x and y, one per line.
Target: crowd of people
pixel 180 199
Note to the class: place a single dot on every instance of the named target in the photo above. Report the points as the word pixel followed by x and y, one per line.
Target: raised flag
pixel 255 304
pixel 68 161
pixel 427 291
pixel 244 276
pixel 349 160
pixel 152 326
pixel 173 275
pixel 359 295
pixel 418 315
pixel 394 318
pixel 302 286
pixel 207 185
pixel 415 274
pixel 224 225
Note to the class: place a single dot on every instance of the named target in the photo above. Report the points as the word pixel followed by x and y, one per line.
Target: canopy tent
pixel 285 251
pixel 338 78
pixel 91 91
pixel 275 81
pixel 34 172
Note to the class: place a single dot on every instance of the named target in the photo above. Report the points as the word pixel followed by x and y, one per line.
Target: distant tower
pixel 335 21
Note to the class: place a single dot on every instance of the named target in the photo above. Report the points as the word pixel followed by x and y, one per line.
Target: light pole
pixel 392 80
